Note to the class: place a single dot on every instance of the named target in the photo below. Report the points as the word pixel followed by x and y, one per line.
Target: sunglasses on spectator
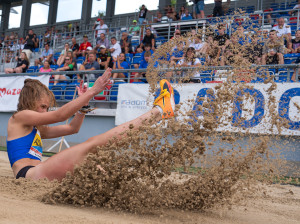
pixel 67 59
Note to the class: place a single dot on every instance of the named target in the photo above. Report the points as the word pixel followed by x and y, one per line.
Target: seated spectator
pixel 100 28
pixel 68 66
pixel 234 53
pixel 190 60
pixel 89 65
pixel 104 58
pixel 242 37
pixel 273 50
pixel 46 67
pixel 143 65
pixel 83 46
pixel 158 17
pixel 181 13
pixel 149 39
pixel 254 51
pixel 74 47
pixel 115 48
pixel 222 37
pixel 22 65
pixel 120 63
pixel 283 31
pixel 218 10
pixel 177 54
pixel 212 52
pixel 295 10
pixel 47 54
pixel 294 46
pixel 187 15
pixel 171 13
pixel 134 29
pixel 30 42
pixel 199 46
pixel 125 43
pixel 102 41
pixel 177 34
pixel 63 54
pixel 147 48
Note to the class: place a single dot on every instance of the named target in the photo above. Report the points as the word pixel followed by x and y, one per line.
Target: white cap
pixel 102 46
pixel 89 48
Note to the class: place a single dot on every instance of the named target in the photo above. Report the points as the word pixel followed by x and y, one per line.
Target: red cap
pixel 98 19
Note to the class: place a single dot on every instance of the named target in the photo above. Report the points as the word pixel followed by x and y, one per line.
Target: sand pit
pixel 20 203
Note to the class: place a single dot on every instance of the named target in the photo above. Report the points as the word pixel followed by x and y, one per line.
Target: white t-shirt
pixel 197 61
pixel 117 51
pixel 284 30
pixel 101 29
pixel 197 47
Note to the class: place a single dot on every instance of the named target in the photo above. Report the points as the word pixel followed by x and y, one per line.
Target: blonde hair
pixel 31 92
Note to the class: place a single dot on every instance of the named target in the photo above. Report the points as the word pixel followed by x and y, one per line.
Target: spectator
pixel 143 65
pixel 254 51
pixel 199 46
pixel 149 39
pixel 199 6
pixel 29 43
pixel 120 63
pixel 295 9
pixel 68 66
pixel 104 58
pixel 233 53
pixel 212 52
pixel 102 41
pixel 177 54
pixel 142 14
pixel 171 13
pixel 177 34
pixel 134 29
pixel 147 48
pixel 89 65
pixel 283 30
pixel 83 46
pixel 181 13
pixel 294 46
pixel 190 60
pixel 158 17
pixel 115 49
pixel 74 47
pixel 272 50
pixel 187 15
pixel 22 65
pixel 243 38
pixel 100 28
pixel 46 67
pixel 222 37
pixel 63 54
pixel 1 45
pixel 125 43
pixel 218 10
pixel 47 54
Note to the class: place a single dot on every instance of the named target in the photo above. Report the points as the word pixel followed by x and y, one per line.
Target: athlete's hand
pixel 81 89
pixel 102 82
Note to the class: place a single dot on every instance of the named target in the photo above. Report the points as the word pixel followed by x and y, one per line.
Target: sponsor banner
pixel 10 88
pixel 254 109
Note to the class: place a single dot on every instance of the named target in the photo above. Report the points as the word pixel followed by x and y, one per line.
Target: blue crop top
pixel 29 146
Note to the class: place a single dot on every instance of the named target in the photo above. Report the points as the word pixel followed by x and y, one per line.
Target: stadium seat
pixel 54 67
pixel 136 60
pixel 70 90
pixel 32 69
pixel 80 60
pixel 113 96
pixel 58 90
pixel 104 95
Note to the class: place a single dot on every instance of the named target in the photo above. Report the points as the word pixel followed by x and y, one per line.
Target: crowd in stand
pixel 216 48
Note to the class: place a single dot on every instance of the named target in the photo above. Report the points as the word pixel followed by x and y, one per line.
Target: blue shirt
pixel 125 65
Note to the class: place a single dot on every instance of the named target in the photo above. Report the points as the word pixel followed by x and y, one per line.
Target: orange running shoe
pixel 166 99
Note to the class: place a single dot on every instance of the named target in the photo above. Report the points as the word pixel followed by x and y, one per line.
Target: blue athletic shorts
pixel 199 7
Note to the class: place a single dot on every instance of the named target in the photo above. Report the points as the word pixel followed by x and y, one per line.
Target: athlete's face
pixel 42 105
